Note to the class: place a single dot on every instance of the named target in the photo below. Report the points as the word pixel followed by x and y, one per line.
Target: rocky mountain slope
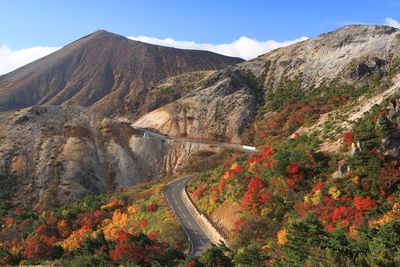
pixel 68 151
pixel 226 103
pixel 52 155
pixel 104 71
pixel 58 154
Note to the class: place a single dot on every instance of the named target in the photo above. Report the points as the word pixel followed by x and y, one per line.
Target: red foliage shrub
pixel 291 183
pixel 18 211
pixel 265 157
pixel 40 248
pixel 97 213
pixel 143 223
pixel 42 229
pixel 318 186
pixel 85 226
pixel 221 184
pixel 199 191
pixel 237 168
pixel 348 138
pixel 152 207
pixel 329 228
pixel 127 252
pixel 389 175
pixel 267 152
pixel 296 119
pixel 9 221
pixel 252 198
pixel 122 236
pixel 153 234
pixel 249 201
pixel 255 184
pixel 363 203
pixel 265 197
pixel 177 245
pixel 293 168
pixel 302 208
pixel 341 213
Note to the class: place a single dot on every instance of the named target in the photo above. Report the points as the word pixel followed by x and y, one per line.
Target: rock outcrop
pixel 58 154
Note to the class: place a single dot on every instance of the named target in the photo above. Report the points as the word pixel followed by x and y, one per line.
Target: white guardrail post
pixel 249 148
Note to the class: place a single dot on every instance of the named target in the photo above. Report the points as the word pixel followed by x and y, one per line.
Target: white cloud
pixel 11 60
pixel 392 22
pixel 243 47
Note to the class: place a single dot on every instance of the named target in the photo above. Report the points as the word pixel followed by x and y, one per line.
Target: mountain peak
pixel 102 34
pixel 103 69
pixel 361 30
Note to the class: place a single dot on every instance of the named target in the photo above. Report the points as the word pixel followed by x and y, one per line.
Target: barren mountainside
pixel 104 71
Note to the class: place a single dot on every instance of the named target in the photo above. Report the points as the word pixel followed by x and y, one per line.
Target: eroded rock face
pixel 57 155
pixel 73 152
pixel 348 55
pixel 219 109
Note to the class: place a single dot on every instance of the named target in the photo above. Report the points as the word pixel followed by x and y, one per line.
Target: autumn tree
pixel 253 199
pixel 38 248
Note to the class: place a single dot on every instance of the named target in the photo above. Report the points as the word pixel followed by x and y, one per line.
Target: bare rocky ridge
pixel 349 55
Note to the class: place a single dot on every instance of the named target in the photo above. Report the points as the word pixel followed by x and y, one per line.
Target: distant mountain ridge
pixel 105 71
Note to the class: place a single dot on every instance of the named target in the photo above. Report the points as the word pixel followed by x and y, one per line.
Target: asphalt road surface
pixel 197 237
pixel 160 136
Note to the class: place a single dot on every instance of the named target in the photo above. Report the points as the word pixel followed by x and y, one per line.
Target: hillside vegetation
pixel 322 190
pixel 300 206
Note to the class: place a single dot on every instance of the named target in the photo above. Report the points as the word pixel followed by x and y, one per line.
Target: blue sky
pixel 27 24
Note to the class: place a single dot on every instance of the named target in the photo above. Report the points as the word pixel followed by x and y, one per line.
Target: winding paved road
pixel 199 240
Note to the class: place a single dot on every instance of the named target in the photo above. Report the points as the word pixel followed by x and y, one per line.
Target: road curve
pixel 199 240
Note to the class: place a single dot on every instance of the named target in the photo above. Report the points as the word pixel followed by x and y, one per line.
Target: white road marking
pixel 184 214
pixel 173 197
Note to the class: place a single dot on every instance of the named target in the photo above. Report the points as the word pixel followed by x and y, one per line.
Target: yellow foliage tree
pixel 75 239
pixel 282 236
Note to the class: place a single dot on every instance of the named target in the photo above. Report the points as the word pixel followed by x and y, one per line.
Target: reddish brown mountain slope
pixel 103 70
